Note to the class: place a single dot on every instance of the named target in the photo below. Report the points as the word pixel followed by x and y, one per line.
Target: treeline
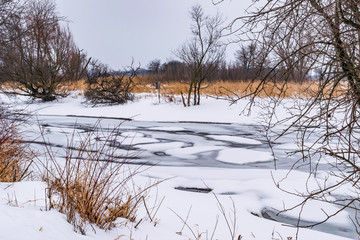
pixel 178 71
pixel 250 64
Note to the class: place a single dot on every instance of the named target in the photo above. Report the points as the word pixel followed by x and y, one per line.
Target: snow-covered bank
pixel 248 192
pixel 145 108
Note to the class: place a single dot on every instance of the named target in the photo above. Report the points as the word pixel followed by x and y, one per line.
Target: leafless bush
pixel 106 87
pixel 92 185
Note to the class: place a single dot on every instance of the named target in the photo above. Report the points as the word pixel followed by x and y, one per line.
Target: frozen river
pixel 200 144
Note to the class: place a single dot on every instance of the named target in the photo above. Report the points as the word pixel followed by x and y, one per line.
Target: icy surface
pixel 168 129
pixel 235 139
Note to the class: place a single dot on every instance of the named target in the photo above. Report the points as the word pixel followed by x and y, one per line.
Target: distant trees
pixel 154 66
pixel 249 61
pixel 203 53
pixel 246 57
pixel 39 54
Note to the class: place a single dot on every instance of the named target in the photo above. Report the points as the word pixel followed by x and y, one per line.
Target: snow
pixel 145 108
pixel 242 155
pixel 243 191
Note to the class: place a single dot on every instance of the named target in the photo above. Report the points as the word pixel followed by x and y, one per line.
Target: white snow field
pixel 196 149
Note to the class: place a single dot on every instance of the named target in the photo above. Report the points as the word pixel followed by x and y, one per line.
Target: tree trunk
pixel 189 93
pixel 195 92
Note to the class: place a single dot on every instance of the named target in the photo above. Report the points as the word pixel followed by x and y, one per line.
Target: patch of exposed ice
pixel 132 134
pixel 161 146
pixel 168 129
pixel 189 152
pixel 235 139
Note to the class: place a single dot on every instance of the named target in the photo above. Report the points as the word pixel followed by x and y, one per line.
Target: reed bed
pixel 145 84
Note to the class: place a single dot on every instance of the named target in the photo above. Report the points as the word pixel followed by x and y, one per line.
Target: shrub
pixel 109 88
pixel 92 184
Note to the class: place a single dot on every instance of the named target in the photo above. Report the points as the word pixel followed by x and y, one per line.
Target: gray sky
pixel 115 31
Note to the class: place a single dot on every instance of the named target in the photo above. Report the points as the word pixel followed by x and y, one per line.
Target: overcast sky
pixel 115 31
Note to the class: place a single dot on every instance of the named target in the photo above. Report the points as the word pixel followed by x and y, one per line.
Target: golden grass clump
pixel 15 158
pixel 92 185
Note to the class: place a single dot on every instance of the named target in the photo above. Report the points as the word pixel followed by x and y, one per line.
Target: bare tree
pixel 9 9
pixel 309 36
pixel 42 54
pixel 204 52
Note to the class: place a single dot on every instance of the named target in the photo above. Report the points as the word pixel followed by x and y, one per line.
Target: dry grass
pixel 92 185
pixel 236 88
pixel 145 84
pixel 15 157
pixel 79 85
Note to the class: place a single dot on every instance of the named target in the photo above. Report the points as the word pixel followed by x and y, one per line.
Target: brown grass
pixel 92 185
pixel 145 84
pixel 79 85
pixel 237 88
pixel 15 157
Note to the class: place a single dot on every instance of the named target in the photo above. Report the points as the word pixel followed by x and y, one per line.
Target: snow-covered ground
pixel 207 146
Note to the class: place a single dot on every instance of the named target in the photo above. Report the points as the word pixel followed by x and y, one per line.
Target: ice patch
pixel 161 146
pixel 235 139
pixel 135 140
pixel 168 129
pixel 132 134
pixel 189 151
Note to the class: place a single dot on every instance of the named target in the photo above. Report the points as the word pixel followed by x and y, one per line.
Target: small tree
pixel 204 52
pixel 42 54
